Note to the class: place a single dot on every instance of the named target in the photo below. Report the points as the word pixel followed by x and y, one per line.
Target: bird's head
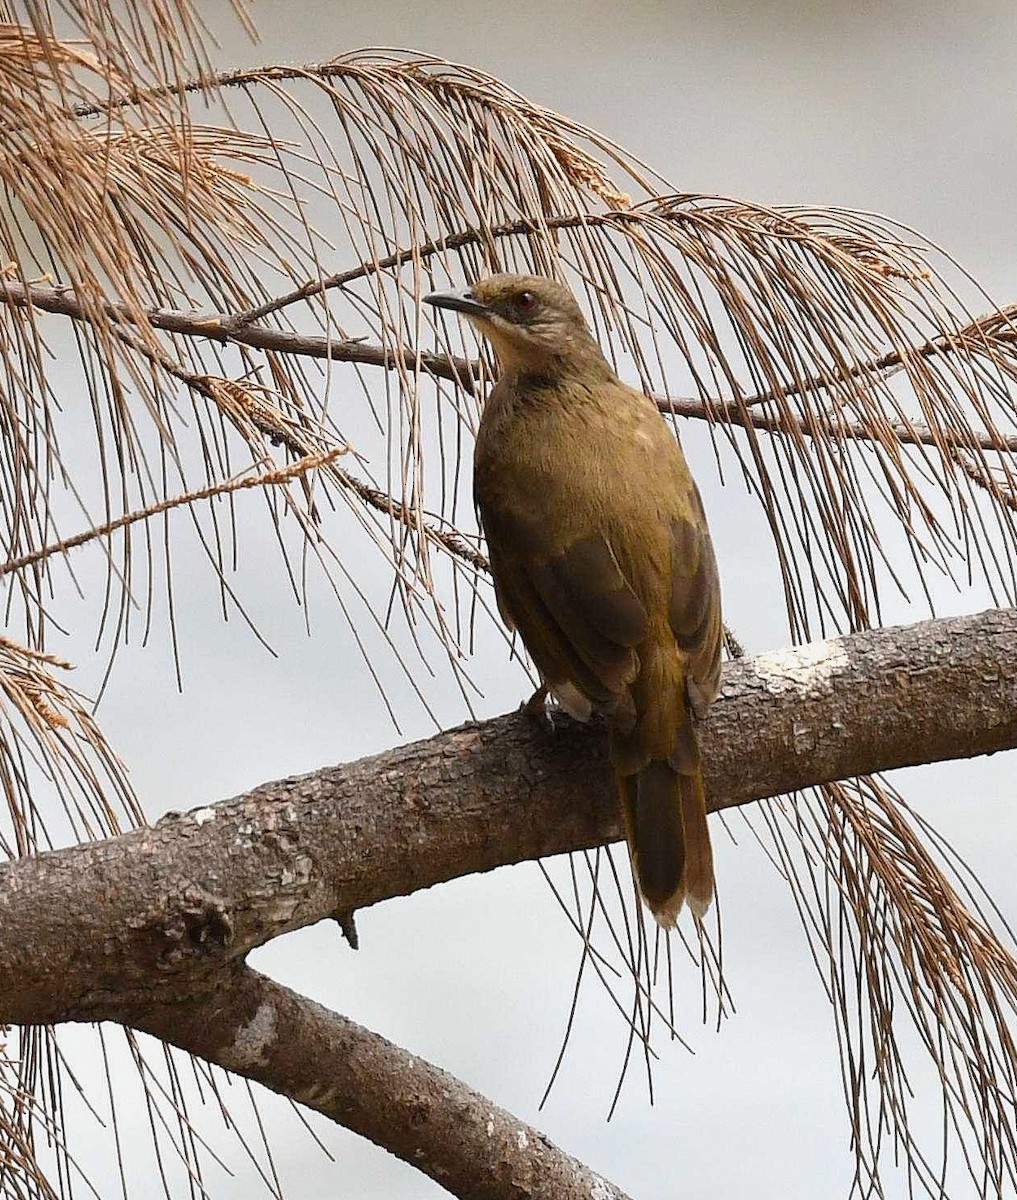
pixel 534 323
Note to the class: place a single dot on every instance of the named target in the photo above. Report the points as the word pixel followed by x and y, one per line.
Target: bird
pixel 602 561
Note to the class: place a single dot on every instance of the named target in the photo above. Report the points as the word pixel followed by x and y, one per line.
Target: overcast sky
pixel 904 108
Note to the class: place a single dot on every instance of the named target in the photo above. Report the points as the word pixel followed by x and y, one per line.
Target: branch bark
pixel 260 1029
pixel 151 929
pixel 149 916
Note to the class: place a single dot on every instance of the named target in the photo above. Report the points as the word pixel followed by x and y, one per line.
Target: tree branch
pixel 146 917
pixel 263 1031
pixel 151 929
pixel 238 329
pixel 219 327
pixel 911 433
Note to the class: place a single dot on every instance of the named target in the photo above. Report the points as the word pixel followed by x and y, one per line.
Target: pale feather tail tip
pixel 666 915
pixel 665 918
pixel 700 906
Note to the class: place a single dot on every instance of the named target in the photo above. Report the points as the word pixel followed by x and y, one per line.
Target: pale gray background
pixel 906 108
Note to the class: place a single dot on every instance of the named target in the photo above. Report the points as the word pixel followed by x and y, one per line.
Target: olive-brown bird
pixel 602 561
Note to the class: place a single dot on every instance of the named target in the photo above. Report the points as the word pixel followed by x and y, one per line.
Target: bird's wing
pixel 694 609
pixel 573 606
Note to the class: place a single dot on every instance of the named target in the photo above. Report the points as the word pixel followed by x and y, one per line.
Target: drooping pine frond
pixel 884 901
pixel 861 396
pixel 247 290
pixel 52 742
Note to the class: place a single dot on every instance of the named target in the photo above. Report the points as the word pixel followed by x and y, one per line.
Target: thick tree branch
pixel 151 929
pixel 261 1030
pixel 149 916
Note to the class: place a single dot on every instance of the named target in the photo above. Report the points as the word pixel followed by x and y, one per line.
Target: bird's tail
pixel 669 842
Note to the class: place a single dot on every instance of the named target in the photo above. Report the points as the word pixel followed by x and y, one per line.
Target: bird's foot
pixel 548 717
pixel 542 714
pixel 536 707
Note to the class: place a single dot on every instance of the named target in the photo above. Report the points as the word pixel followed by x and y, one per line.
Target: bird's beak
pixel 459 300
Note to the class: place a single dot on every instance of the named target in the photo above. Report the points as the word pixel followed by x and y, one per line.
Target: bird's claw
pixel 547 717
pixel 536 706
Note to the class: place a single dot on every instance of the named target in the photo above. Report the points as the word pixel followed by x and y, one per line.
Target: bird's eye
pixel 526 301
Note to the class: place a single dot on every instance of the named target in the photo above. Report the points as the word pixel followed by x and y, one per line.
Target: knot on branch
pixel 196 924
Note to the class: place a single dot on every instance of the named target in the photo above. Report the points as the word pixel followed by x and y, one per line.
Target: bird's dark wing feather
pixel 694 609
pixel 591 579
pixel 575 610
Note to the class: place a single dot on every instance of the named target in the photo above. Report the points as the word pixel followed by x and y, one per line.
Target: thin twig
pixel 281 475
pixel 281 432
pixel 1000 493
pixel 913 433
